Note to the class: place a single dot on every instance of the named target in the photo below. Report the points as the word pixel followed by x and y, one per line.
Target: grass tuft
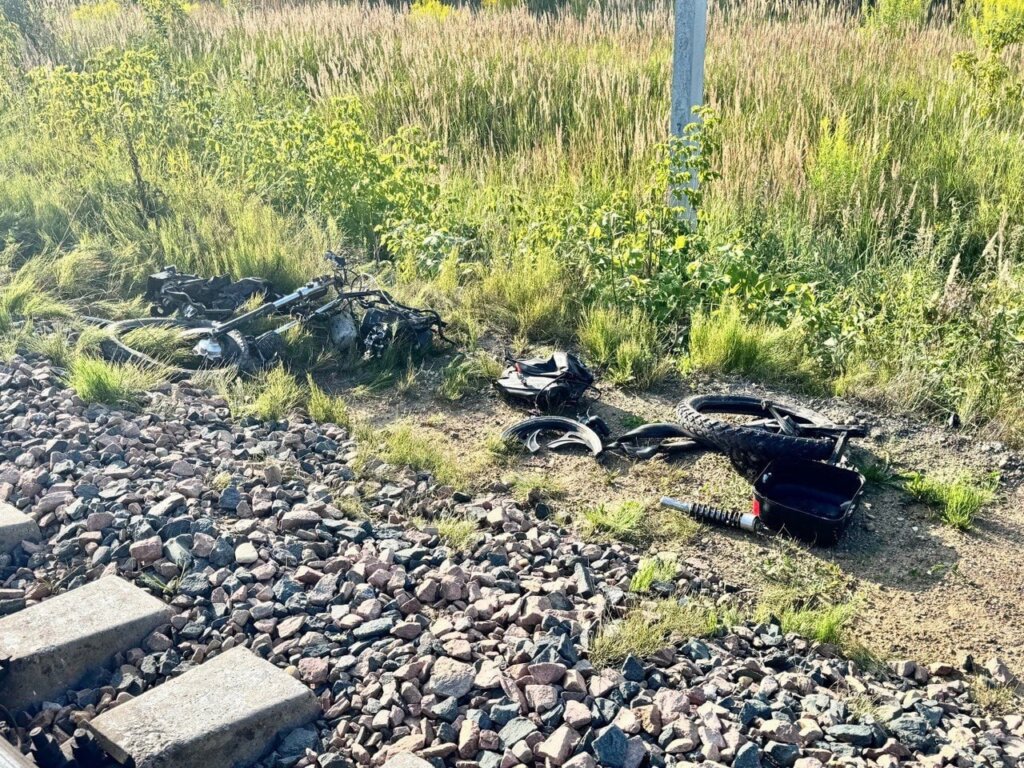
pixel 652 569
pixel 624 521
pixel 270 395
pixel 457 532
pixel 99 381
pixel 422 451
pixel 161 342
pixel 325 408
pixel 647 629
pixel 994 699
pixel 467 374
pixel 625 344
pixel 725 342
pixel 956 502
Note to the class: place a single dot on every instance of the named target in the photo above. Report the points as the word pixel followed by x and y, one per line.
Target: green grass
pixel 99 381
pixel 810 597
pixel 422 450
pixel 467 374
pixel 957 502
pixel 652 569
pixel 56 346
pixel 625 344
pixel 163 343
pixel 724 341
pixel 647 629
pixel 625 521
pixel 861 233
pixel 270 395
pixel 503 451
pixel 325 408
pixel 995 700
pixel 456 532
pixel 527 485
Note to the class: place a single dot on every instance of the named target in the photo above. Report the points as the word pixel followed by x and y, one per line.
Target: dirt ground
pixel 924 590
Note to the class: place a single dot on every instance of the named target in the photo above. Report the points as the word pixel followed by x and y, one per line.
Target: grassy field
pixel 861 219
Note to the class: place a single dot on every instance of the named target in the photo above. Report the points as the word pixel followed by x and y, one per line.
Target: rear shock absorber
pixel 745 521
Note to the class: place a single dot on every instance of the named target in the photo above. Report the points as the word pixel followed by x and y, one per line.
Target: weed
pixel 406 446
pixel 810 598
pixel 625 521
pixel 671 526
pixel 220 481
pixel 876 470
pixel 625 344
pixel 276 394
pixel 57 346
pixel 161 342
pixel 646 630
pixel 458 533
pixel 100 381
pixel 896 15
pixel 535 486
pixel 503 451
pixel 994 699
pixel 957 502
pixel 723 341
pixel 652 569
pixel 526 297
pixel 467 374
pixel 325 408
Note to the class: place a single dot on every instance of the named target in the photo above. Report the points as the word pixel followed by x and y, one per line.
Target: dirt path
pixel 923 590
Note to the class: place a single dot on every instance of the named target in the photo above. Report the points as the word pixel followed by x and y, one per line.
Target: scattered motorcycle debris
pixel 730 518
pixel 546 384
pixel 216 298
pixel 790 453
pixel 349 311
pixel 566 432
pixel 810 500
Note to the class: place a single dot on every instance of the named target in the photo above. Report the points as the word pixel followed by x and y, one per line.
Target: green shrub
pixel 896 15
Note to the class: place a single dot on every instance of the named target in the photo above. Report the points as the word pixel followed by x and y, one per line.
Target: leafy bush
pixel 896 15
pixel 430 9
pixel 998 25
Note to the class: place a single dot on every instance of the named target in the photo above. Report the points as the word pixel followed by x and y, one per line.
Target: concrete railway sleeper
pixel 226 712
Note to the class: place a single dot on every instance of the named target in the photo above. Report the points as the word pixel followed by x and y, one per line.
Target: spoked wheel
pixel 206 349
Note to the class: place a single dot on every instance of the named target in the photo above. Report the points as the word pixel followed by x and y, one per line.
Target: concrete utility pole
pixel 688 71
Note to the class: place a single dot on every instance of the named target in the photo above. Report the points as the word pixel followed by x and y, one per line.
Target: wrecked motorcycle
pixel 214 321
